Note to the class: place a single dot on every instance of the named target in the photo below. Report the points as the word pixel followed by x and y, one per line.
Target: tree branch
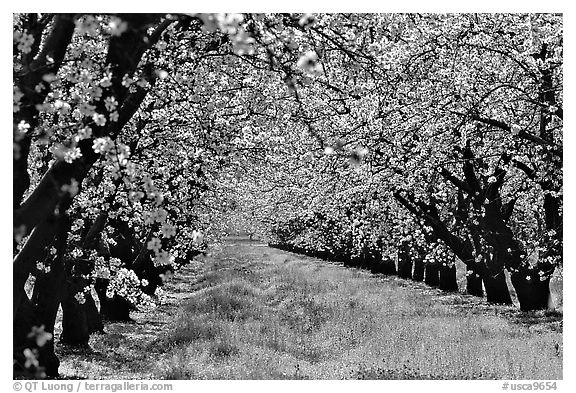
pixel 457 182
pixel 523 134
pixel 48 61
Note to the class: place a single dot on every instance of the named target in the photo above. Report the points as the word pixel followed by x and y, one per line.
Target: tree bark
pixel 48 287
pixel 74 321
pixel 93 316
pixel 462 248
pixel 32 252
pixel 532 293
pixel 113 309
pixel 384 265
pixel 418 259
pixel 447 278
pixel 404 261
pixel 474 285
pixel 419 269
pixel 497 233
pixel 54 47
pixel 78 319
pixel 432 274
pixel 495 279
pixel 26 318
pixel 497 289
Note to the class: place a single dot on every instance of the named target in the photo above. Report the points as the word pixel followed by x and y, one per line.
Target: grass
pixel 260 313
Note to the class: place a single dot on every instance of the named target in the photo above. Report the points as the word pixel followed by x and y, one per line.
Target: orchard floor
pixel 253 312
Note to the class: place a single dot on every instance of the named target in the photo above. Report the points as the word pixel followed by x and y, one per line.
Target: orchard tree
pixel 89 91
pixel 458 106
pixel 391 142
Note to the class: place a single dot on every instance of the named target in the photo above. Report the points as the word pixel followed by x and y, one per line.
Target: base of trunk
pixel 497 289
pixel 74 323
pixel 48 363
pixel 404 267
pixel 474 285
pixel 93 317
pixel 386 266
pixel 419 268
pixel 432 274
pixel 533 293
pixel 115 309
pixel 556 301
pixel 360 262
pixel 447 278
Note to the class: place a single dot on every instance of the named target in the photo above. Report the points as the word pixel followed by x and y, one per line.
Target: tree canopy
pixel 141 140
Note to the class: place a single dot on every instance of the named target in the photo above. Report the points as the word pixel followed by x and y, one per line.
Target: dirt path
pixel 252 312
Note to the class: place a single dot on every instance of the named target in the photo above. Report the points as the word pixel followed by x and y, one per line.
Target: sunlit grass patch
pixel 234 300
pixel 192 328
pixel 279 317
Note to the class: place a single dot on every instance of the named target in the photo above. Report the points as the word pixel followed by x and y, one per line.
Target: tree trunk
pixel 344 256
pixel 115 309
pixel 496 289
pixel 419 268
pixel 556 291
pixel 48 288
pixel 384 266
pixel 474 285
pixel 33 251
pixel 432 276
pixel 25 319
pixel 447 279
pixel 532 293
pixel 404 262
pixel 93 317
pixel 48 61
pixel 78 319
pixel 75 329
pixel 371 257
pixel 495 279
pixel 48 293
pixel 360 261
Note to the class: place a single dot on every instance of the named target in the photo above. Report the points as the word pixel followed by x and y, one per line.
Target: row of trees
pixel 139 139
pixel 455 141
pixel 123 126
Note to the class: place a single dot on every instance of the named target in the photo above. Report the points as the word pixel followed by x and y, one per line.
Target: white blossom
pixel 154 244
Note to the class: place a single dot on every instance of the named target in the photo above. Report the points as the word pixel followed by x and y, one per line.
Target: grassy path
pixel 252 312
